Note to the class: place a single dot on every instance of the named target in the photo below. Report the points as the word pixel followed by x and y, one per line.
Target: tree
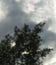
pixel 26 49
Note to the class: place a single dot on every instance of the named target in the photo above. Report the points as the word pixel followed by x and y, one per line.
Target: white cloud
pixel 38 10
pixel 52 60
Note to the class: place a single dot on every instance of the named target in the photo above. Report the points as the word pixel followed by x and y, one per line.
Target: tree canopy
pixel 23 48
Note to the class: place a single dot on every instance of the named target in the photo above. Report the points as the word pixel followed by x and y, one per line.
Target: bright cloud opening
pixel 12 44
pixel 25 52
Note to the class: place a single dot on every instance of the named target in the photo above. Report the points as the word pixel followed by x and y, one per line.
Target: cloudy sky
pixel 18 12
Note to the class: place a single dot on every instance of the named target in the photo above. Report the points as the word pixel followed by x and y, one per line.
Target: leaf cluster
pixel 27 47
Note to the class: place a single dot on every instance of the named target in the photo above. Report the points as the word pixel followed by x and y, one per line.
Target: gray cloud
pixel 16 16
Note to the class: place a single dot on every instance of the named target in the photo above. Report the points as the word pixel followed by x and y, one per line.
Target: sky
pixel 18 12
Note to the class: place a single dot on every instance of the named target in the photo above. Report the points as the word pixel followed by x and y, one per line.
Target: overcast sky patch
pixel 18 12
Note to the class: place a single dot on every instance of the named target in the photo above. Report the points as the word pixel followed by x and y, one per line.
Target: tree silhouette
pixel 24 47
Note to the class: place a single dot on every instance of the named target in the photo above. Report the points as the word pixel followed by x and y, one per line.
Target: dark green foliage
pixel 27 49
